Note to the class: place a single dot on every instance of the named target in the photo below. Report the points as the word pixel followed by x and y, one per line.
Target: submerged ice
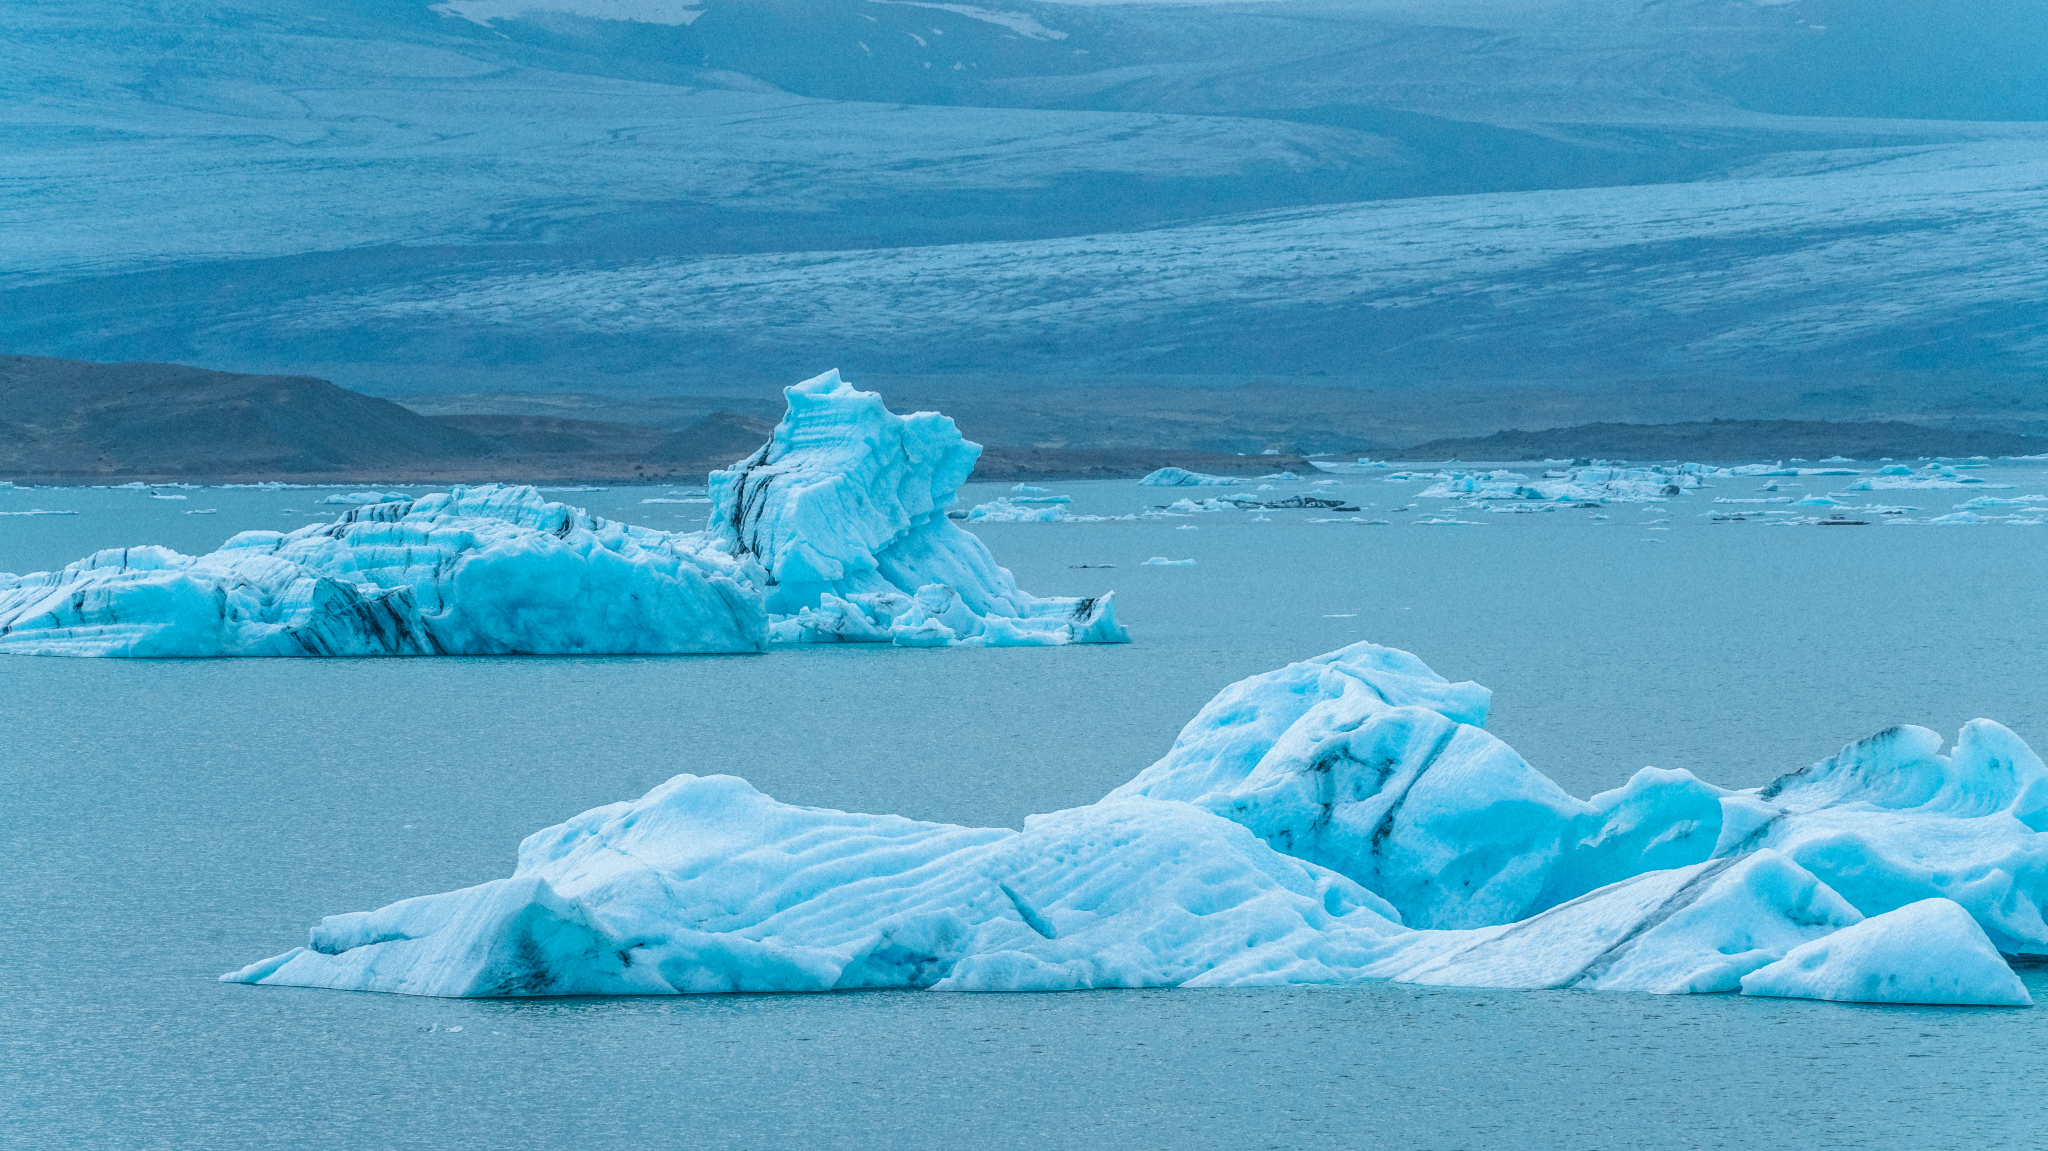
pixel 1342 818
pixel 834 530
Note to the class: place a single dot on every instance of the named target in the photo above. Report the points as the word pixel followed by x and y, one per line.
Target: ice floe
pixel 1005 510
pixel 1341 818
pixel 364 497
pixel 1898 476
pixel 1584 484
pixel 1182 478
pixel 1982 502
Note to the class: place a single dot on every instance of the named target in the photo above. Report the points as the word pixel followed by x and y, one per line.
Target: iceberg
pixel 363 497
pixel 1925 952
pixel 1342 818
pixel 706 885
pixel 1946 478
pixel 1005 510
pixel 474 571
pixel 849 500
pixel 833 531
pixel 1582 484
pixel 2026 502
pixel 1182 478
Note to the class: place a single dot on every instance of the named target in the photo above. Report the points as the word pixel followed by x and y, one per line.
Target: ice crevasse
pixel 1342 818
pixel 834 531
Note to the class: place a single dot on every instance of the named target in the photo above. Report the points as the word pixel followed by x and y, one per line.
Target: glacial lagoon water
pixel 167 821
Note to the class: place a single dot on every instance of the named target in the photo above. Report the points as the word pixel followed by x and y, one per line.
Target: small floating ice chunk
pixel 362 497
pixel 1004 510
pixel 39 512
pixel 474 571
pixel 1996 502
pixel 849 499
pixel 1931 951
pixel 1163 562
pixel 1182 478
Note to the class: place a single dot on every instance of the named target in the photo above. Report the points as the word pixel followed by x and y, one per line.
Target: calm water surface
pixel 167 821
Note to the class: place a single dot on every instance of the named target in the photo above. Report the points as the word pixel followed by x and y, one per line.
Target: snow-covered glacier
pixel 1342 818
pixel 834 530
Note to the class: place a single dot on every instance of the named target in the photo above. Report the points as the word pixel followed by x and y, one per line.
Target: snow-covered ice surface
pixel 835 530
pixel 1341 818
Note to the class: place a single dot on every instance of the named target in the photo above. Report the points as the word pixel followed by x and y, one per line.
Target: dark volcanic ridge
pixel 1731 441
pixel 68 421
pixel 73 421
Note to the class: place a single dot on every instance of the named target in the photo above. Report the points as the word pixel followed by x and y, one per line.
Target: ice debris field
pixel 834 531
pixel 1342 818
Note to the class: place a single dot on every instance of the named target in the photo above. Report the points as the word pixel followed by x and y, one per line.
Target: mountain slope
pixel 588 194
pixel 69 419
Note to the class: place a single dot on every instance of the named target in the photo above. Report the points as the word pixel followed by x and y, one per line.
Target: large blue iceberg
pixel 835 530
pixel 1342 818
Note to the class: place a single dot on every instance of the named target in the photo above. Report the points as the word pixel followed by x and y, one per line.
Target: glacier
pixel 1342 818
pixel 834 531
